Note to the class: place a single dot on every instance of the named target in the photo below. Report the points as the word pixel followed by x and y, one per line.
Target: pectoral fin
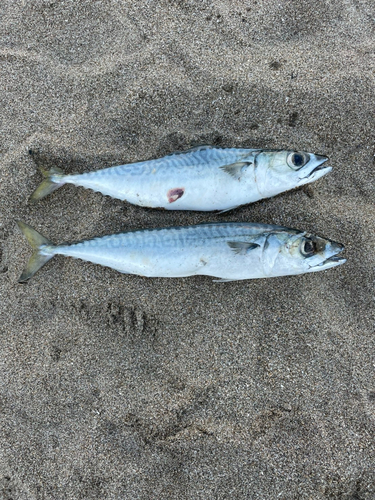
pixel 242 247
pixel 235 169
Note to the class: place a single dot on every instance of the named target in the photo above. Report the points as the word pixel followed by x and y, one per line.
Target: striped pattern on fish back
pixel 177 236
pixel 178 161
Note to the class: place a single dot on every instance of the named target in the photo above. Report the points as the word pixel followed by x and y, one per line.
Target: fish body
pixel 205 178
pixel 228 251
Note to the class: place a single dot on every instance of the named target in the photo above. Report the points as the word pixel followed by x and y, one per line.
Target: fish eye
pixel 297 160
pixel 308 248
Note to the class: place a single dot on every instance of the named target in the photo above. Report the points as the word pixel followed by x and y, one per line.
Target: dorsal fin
pixel 194 149
pixel 242 247
pixel 202 147
pixel 235 169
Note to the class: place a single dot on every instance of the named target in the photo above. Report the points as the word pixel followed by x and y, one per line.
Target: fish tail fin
pixel 53 179
pixel 37 259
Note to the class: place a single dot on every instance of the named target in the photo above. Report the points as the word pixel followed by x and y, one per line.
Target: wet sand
pixel 122 387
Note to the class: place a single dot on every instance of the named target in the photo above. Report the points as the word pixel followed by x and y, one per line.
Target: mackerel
pixel 204 178
pixel 227 251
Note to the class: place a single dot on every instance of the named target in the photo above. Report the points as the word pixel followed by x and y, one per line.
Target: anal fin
pixel 227 209
pixel 223 280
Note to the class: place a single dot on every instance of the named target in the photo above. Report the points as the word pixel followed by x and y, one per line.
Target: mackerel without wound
pixel 228 251
pixel 204 178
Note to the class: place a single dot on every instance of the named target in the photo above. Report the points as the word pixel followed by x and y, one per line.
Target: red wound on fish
pixel 174 194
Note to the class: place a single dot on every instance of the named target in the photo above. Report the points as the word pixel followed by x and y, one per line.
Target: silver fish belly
pixel 205 178
pixel 228 251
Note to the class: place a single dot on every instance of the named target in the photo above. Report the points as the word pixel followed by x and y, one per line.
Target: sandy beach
pixel 121 387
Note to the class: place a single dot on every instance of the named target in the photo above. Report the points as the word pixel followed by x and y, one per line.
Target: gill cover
pixel 273 252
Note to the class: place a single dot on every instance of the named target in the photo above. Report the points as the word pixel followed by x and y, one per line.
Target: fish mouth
pixel 322 160
pixel 316 172
pixel 332 261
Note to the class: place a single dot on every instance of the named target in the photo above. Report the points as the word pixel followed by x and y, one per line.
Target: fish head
pixel 279 171
pixel 291 252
